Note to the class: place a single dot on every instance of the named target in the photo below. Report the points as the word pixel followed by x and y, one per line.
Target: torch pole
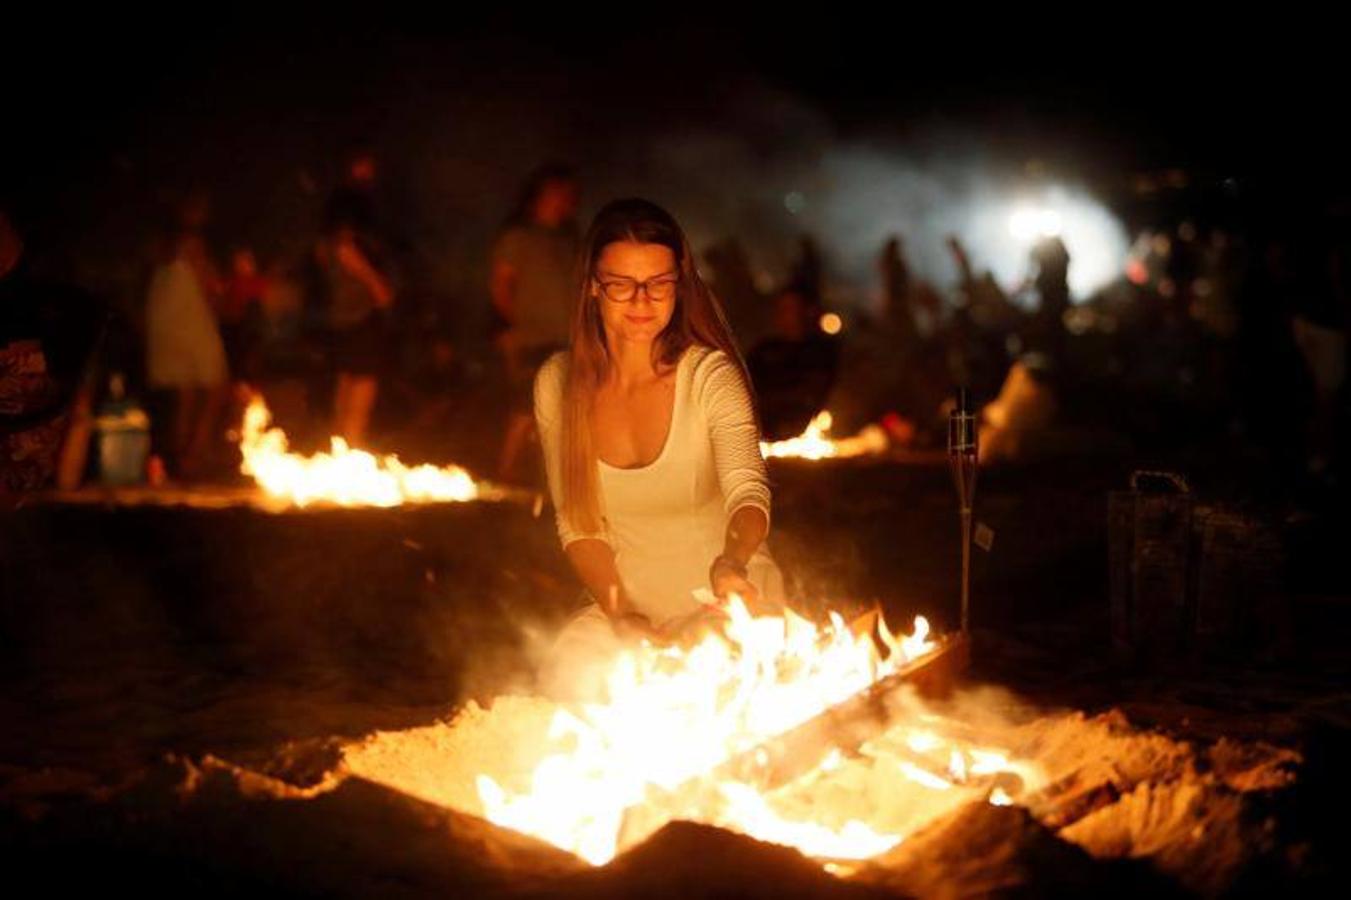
pixel 963 457
pixel 966 570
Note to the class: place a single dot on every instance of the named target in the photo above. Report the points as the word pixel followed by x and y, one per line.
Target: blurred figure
pixel 534 287
pixel 733 281
pixel 896 295
pixel 185 354
pixel 47 337
pixel 794 370
pixel 1025 407
pixel 1051 260
pixel 244 289
pixel 353 202
pixel 356 297
pixel 1319 329
pixel 980 336
pixel 808 275
pixel 281 360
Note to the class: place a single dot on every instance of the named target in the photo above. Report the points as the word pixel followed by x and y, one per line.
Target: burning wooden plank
pixel 842 728
pixel 846 726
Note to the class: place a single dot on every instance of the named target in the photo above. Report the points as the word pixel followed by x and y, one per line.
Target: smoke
pixel 459 126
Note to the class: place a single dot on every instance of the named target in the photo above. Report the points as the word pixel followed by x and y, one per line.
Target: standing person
pixel 794 368
pixel 533 291
pixel 356 298
pixel 1052 281
pixel 185 354
pixel 243 291
pixel 651 447
pixel 47 336
pixel 353 201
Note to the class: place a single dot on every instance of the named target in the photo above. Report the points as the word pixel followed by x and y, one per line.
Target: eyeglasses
pixel 659 288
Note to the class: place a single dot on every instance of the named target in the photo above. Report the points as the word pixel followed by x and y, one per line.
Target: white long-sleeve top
pixel 667 521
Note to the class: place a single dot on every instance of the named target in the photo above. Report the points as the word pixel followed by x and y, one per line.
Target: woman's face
pixel 642 317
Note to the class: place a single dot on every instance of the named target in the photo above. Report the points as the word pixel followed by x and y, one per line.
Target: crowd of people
pixel 1213 331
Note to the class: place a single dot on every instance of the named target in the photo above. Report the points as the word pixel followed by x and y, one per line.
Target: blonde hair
pixel 697 319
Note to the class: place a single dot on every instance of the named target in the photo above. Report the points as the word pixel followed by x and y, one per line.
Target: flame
pixel 343 476
pixel 673 714
pixel 815 442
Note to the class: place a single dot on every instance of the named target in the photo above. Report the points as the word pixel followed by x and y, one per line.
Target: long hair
pixel 697 319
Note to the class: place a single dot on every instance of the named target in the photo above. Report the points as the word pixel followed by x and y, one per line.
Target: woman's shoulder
pixel 716 377
pixel 711 363
pixel 550 378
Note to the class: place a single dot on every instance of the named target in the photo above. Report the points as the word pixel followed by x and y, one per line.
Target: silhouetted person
pixel 733 281
pixel 794 369
pixel 47 334
pixel 534 289
pixel 808 274
pixel 353 202
pixel 356 296
pixel 244 288
pixel 1052 284
pixel 185 354
pixel 897 287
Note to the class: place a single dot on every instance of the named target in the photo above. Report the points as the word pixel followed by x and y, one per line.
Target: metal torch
pixel 962 457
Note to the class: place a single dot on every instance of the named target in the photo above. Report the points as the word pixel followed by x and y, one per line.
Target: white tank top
pixel 666 521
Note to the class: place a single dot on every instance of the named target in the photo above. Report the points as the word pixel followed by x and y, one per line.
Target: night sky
pixel 720 116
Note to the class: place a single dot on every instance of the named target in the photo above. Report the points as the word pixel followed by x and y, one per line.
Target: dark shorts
pixel 363 349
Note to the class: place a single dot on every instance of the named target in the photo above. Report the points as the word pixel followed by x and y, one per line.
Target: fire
pixel 616 770
pixel 345 476
pixel 815 442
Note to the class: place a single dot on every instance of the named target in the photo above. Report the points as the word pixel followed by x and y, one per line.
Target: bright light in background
pixel 1031 223
pixel 831 323
pixel 1001 237
pixel 866 194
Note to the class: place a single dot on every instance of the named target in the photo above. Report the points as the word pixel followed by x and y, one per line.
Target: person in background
pixel 356 296
pixel 896 296
pixel 533 285
pixel 185 354
pixel 244 289
pixel 47 336
pixel 794 369
pixel 353 201
pixel 1051 260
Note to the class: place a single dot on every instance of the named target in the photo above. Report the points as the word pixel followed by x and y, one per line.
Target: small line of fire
pixel 343 476
pixel 815 442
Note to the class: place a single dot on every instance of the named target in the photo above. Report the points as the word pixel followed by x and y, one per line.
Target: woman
pixel 184 351
pixel 651 448
pixel 358 297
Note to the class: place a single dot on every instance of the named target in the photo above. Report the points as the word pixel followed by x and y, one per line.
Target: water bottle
pixel 123 436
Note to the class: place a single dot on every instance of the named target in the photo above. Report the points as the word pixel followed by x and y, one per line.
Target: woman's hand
pixel 728 577
pixel 350 256
pixel 634 626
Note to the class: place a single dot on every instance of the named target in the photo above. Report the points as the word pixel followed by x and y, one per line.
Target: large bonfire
pixel 595 778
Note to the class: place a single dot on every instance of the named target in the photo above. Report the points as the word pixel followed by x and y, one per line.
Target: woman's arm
pixel 351 258
pixel 742 475
pixel 594 562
